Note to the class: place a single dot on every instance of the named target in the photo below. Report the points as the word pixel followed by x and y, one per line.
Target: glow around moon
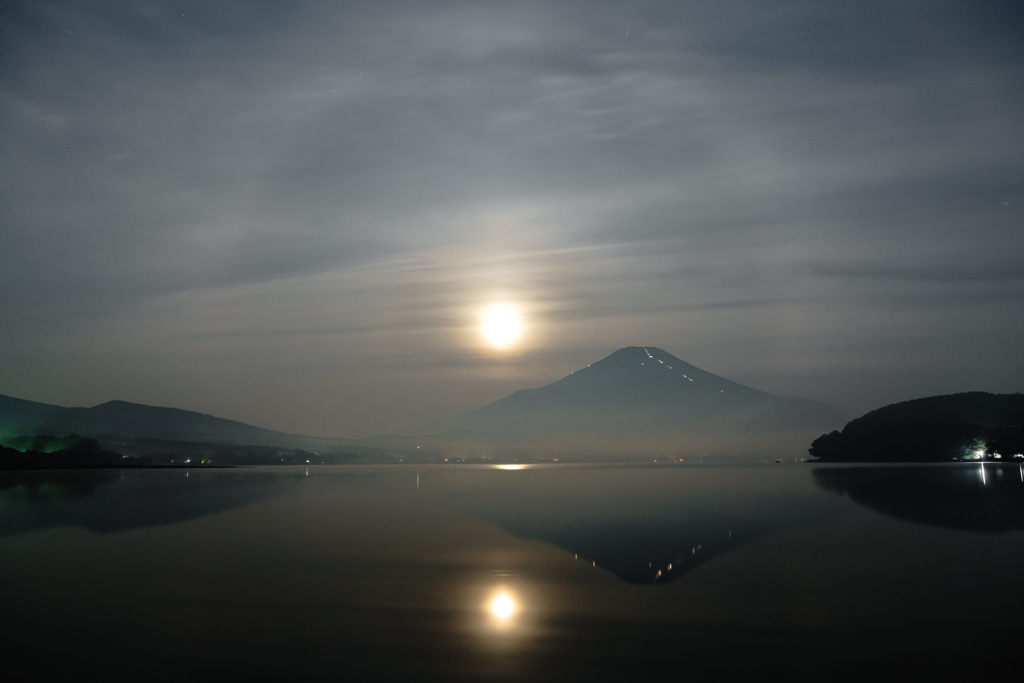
pixel 501 325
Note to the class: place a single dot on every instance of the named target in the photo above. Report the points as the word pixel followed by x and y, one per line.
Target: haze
pixel 297 214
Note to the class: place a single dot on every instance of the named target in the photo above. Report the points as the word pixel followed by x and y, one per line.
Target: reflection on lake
pixel 982 496
pixel 479 573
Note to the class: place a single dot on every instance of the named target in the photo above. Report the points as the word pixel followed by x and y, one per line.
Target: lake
pixel 537 572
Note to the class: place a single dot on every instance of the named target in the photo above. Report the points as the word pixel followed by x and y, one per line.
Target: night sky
pixel 293 213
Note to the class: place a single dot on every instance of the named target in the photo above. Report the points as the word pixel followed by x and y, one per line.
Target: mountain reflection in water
pixel 668 530
pixel 108 501
pixel 468 573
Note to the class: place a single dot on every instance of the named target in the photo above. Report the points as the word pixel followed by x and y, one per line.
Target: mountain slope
pixel 19 417
pixel 643 392
pixel 124 420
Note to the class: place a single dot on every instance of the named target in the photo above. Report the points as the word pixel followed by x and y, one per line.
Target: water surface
pixel 534 573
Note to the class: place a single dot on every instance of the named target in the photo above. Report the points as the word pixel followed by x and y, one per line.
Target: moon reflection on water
pixel 502 609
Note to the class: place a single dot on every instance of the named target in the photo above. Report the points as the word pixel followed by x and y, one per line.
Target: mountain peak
pixel 641 354
pixel 642 374
pixel 643 392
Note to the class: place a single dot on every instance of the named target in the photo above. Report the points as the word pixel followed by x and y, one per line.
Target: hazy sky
pixel 291 213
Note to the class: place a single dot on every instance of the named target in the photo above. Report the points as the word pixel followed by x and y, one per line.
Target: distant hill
pixel 968 426
pixel 157 435
pixel 131 420
pixel 641 398
pixel 21 417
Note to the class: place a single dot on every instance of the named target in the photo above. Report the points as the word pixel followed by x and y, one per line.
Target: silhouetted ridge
pixel 973 407
pixel 136 419
pixel 968 426
pixel 115 420
pixel 18 416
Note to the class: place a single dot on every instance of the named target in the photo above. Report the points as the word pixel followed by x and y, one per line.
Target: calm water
pixel 541 573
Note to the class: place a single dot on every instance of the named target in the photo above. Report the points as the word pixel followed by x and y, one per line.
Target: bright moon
pixel 503 606
pixel 501 325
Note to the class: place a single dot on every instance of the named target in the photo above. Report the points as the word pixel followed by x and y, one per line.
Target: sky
pixel 294 214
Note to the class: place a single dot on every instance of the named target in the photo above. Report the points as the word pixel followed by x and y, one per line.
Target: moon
pixel 501 325
pixel 503 606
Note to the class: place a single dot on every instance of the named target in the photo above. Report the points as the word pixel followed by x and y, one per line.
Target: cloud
pixel 717 177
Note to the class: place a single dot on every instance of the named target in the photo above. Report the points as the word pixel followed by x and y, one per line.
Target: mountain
pixel 968 426
pixel 640 400
pixel 129 420
pixel 162 435
pixel 644 398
